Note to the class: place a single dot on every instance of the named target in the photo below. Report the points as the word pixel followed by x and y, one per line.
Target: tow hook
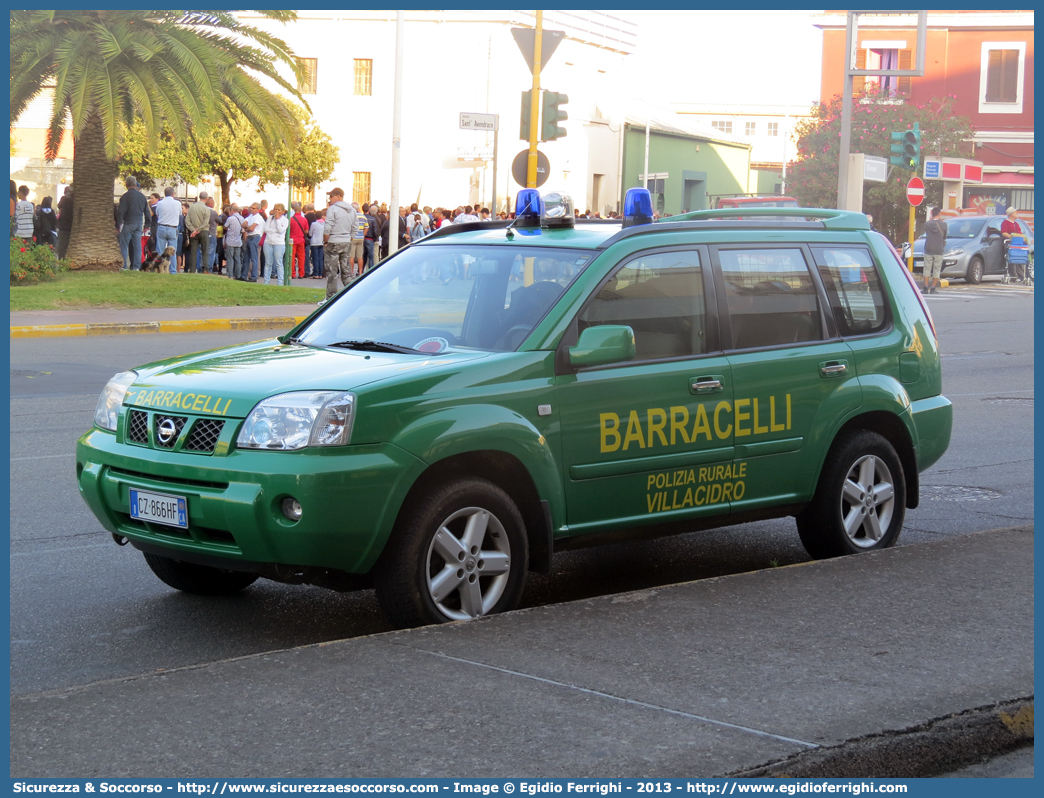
pixel 121 540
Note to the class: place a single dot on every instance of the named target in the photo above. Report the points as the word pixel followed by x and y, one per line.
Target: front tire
pixel 199 579
pixel 975 270
pixel 860 501
pixel 461 553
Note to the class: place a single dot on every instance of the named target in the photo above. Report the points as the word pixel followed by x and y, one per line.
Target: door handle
pixel 706 385
pixel 833 369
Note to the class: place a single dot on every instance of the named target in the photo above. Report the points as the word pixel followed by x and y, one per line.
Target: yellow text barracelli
pixel 193 402
pixel 665 427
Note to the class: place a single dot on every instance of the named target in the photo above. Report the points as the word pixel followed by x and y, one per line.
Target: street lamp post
pixel 288 252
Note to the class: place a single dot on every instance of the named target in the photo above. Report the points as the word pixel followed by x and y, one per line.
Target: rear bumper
pixel 933 419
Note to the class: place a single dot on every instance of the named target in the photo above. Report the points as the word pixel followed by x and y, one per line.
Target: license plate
pixel 159 508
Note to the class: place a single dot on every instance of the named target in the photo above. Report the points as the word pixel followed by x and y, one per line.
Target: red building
pixel 983 58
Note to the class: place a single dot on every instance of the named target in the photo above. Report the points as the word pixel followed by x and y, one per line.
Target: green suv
pixel 495 393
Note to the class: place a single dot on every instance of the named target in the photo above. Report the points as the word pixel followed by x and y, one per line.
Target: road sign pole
pixel 910 238
pixel 534 108
pixel 915 196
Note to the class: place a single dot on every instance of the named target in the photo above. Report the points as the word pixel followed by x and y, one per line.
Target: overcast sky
pixel 758 57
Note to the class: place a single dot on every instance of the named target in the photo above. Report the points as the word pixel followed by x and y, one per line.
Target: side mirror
pixel 598 346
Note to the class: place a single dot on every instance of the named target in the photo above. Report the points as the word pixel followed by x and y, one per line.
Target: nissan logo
pixel 166 431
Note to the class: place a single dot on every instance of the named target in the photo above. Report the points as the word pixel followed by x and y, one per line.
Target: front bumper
pixel 350 498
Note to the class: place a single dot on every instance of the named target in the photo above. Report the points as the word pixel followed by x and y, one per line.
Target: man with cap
pixel 341 221
pixel 1009 228
pixel 197 224
pixel 130 216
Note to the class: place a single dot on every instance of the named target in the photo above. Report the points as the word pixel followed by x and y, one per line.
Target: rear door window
pixel 771 297
pixel 853 288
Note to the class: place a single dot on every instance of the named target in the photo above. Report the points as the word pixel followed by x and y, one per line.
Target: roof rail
pixel 831 219
pixel 463 227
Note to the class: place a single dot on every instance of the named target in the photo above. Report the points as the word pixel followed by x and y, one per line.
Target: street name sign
pixel 479 121
pixel 875 169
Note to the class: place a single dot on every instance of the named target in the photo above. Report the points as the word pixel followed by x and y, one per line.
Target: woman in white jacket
pixel 275 243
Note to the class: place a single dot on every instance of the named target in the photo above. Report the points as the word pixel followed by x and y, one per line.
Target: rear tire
pixel 461 552
pixel 860 501
pixel 198 579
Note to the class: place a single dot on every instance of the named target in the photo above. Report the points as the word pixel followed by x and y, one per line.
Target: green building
pixel 689 161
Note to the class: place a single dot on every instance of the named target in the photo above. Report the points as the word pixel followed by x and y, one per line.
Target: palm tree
pixel 180 71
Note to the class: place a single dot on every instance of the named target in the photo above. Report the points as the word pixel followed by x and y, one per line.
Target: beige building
pixel 769 129
pixel 457 62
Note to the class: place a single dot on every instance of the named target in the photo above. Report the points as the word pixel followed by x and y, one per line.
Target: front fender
pixel 453 431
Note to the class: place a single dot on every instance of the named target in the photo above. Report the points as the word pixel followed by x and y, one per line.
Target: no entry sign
pixel 915 191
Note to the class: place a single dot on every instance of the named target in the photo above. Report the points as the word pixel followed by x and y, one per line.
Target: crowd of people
pixel 43 223
pixel 337 243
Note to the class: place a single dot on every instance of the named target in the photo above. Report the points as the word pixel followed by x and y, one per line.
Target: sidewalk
pixel 843 667
pixel 104 321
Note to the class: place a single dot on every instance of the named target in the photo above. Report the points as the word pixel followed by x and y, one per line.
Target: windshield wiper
pixel 377 346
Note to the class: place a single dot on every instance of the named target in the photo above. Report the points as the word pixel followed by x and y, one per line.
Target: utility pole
pixel 393 208
pixel 534 107
pixel 851 42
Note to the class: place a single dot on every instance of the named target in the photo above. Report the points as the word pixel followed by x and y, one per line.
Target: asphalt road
pixel 83 609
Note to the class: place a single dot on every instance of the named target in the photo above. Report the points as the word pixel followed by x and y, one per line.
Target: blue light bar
pixel 528 208
pixel 637 207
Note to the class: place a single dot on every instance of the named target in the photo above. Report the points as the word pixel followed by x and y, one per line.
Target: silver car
pixel 974 247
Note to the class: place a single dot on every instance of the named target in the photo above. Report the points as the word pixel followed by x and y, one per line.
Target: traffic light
pixel 552 115
pixel 527 107
pixel 913 146
pixel 907 148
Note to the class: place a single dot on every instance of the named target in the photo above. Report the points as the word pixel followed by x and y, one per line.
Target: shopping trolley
pixel 1016 260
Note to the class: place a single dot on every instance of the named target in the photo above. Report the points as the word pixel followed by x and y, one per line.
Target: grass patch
pixel 79 290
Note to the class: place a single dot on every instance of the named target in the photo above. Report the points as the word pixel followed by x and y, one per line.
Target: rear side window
pixel 853 287
pixel 771 297
pixel 660 296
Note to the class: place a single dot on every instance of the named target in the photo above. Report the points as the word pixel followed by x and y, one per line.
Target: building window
pixel 305 196
pixel 724 127
pixel 1022 199
pixel 364 76
pixel 882 55
pixel 749 128
pixel 1002 77
pixel 360 187
pixel 773 128
pixel 311 66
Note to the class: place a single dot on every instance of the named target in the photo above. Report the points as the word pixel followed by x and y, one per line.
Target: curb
pixel 929 749
pixel 139 327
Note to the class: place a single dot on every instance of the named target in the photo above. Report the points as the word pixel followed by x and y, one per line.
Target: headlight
pixel 953 253
pixel 299 419
pixel 111 399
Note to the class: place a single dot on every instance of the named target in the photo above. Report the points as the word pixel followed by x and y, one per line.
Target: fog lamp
pixel 291 508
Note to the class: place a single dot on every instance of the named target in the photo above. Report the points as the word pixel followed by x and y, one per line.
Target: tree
pixel 229 152
pixel 812 178
pixel 183 71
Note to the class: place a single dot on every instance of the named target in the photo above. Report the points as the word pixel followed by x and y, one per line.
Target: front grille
pixel 204 435
pixel 138 428
pixel 179 425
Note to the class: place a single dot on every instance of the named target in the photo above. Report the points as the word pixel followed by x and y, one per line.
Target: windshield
pixel 441 298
